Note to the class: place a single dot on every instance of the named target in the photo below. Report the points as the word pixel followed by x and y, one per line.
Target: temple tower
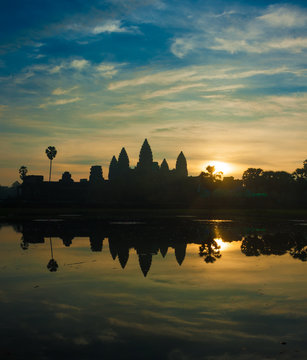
pixel 180 250
pixel 164 168
pixel 181 166
pixel 123 162
pixel 113 169
pixel 145 159
pixel 96 174
pixel 145 263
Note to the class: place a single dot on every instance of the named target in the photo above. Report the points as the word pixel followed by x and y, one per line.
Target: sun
pixel 225 168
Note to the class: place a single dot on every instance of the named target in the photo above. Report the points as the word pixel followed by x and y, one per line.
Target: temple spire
pixel 123 161
pixel 145 159
pixel 164 167
pixel 181 165
pixel 145 263
pixel 180 250
pixel 113 169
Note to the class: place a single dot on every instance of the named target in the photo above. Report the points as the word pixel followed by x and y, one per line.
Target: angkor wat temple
pixel 145 168
pixel 146 183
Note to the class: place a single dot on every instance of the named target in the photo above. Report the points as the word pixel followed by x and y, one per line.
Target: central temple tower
pixel 145 163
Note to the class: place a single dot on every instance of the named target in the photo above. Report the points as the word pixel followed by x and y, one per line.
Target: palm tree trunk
pixel 50 170
pixel 51 249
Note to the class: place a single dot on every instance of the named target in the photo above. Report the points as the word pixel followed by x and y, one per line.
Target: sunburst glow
pixel 223 245
pixel 225 168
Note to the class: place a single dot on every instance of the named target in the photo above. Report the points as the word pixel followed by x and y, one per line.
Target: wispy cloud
pixel 293 45
pixel 79 64
pixel 284 16
pixel 273 30
pixel 181 46
pixel 217 106
pixel 173 90
pixel 197 73
pixel 113 26
pixel 60 91
pixel 106 70
pixel 60 102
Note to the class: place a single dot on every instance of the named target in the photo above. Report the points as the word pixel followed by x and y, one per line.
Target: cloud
pixel 197 73
pixel 112 26
pixel 223 88
pixel 284 17
pixel 293 45
pixel 283 106
pixel 27 72
pixel 106 70
pixel 180 47
pixel 273 30
pixel 164 77
pixel 56 69
pixel 60 102
pixel 76 64
pixel 60 91
pixel 172 90
pixel 79 64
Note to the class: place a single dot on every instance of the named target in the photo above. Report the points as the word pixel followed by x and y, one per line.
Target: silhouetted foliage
pixel 51 154
pixel 23 244
pixel 23 172
pixel 301 173
pixel 210 169
pixel 252 178
pixel 210 250
pixel 52 265
pixel 66 178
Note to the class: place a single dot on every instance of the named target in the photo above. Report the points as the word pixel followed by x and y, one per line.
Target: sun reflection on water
pixel 223 245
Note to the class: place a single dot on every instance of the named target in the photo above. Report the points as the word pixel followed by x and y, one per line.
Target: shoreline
pixel 31 213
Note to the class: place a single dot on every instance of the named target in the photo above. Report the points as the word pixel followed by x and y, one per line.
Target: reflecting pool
pixel 179 288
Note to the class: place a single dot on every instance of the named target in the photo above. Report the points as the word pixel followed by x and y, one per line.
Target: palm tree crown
pixel 51 152
pixel 23 172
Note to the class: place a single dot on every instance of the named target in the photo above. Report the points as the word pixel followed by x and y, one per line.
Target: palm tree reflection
pixel 52 264
pixel 210 250
pixel 23 244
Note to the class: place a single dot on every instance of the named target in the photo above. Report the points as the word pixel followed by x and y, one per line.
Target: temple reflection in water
pixel 150 239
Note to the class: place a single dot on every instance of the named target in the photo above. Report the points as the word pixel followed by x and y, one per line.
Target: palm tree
pixel 51 153
pixel 23 172
pixel 211 170
pixel 52 264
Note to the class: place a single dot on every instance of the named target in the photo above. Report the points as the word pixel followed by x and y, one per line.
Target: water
pixel 182 288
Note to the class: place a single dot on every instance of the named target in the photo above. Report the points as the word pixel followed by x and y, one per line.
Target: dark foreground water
pixel 182 288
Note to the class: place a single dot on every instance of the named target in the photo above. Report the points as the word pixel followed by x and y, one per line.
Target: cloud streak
pixel 191 74
pixel 113 26
pixel 60 102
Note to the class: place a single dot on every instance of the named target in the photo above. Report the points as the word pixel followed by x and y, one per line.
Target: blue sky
pixel 222 81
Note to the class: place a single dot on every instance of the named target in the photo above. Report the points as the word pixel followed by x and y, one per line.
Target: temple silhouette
pixel 159 236
pixel 149 184
pixel 125 184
